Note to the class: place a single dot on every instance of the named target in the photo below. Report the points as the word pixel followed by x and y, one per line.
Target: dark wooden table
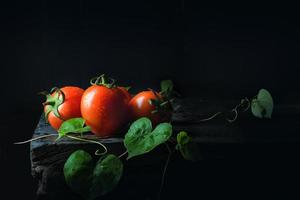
pixel 217 139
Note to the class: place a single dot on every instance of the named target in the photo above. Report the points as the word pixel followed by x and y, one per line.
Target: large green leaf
pixel 187 147
pixel 92 180
pixel 262 105
pixel 74 125
pixel 106 176
pixel 140 138
pixel 78 171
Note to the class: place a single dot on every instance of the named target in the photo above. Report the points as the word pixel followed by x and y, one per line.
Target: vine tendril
pixel 123 154
pixel 234 110
pixel 211 117
pixel 91 141
pixel 72 137
pixel 245 102
pixel 36 138
pixel 165 170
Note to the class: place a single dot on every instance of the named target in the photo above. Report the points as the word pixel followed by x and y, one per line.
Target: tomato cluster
pixel 104 106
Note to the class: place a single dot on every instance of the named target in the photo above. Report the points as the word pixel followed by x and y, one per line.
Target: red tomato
pixel 126 94
pixel 63 104
pixel 140 106
pixel 105 109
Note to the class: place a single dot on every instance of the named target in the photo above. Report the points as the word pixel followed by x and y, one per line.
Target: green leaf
pixel 166 87
pixel 92 180
pixel 78 171
pixel 188 149
pixel 74 125
pixel 140 138
pixel 262 105
pixel 127 88
pixel 106 176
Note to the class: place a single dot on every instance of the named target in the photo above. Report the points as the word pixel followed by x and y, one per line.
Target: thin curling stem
pixel 36 138
pixel 123 154
pixel 91 141
pixel 164 171
pixel 248 104
pixel 211 117
pixel 244 103
pixel 234 117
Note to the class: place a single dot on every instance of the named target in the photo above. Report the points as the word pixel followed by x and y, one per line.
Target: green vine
pixel 91 180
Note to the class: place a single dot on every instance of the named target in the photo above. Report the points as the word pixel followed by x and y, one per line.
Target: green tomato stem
pixel 103 81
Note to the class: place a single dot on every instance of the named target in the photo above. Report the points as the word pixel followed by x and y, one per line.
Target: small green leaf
pixel 166 87
pixel 78 171
pixel 188 149
pixel 262 105
pixel 127 88
pixel 74 125
pixel 140 138
pixel 183 138
pixel 106 176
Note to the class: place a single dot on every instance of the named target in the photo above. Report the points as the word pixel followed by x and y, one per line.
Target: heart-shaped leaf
pixel 78 171
pixel 140 138
pixel 106 176
pixel 74 125
pixel 262 105
pixel 92 180
pixel 187 147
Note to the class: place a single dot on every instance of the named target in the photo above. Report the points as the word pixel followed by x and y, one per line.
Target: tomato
pixel 152 105
pixel 126 94
pixel 63 104
pixel 105 108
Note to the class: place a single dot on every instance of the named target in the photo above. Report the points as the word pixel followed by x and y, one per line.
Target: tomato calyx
pixel 54 99
pixel 162 105
pixel 164 98
pixel 103 81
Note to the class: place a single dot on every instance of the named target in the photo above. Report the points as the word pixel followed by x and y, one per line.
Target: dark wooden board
pixel 48 156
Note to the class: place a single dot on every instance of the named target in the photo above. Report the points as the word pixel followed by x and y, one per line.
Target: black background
pixel 220 50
